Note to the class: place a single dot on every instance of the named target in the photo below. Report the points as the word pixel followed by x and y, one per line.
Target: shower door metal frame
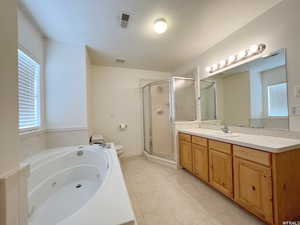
pixel 150 118
pixel 169 81
pixel 172 114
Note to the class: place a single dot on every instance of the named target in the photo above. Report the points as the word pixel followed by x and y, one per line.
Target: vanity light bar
pixel 242 55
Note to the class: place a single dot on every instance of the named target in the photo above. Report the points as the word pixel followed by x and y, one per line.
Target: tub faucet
pixel 226 129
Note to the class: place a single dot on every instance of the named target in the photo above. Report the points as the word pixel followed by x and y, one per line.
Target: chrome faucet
pixel 226 129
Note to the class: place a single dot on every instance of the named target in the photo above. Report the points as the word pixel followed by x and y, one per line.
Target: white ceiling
pixel 194 26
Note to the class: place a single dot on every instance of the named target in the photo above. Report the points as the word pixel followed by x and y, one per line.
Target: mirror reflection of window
pixel 277 100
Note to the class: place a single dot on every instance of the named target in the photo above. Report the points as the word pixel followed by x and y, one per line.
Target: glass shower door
pixel 161 124
pixel 184 99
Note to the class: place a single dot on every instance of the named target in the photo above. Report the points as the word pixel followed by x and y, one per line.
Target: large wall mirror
pixel 250 95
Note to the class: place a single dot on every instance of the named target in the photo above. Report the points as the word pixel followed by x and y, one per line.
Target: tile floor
pixel 165 196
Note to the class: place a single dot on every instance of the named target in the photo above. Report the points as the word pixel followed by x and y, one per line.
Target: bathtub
pixel 80 185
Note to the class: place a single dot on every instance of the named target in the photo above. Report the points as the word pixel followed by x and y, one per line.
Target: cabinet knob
pixel 253 188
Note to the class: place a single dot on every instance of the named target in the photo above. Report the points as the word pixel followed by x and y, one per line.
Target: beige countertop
pixel 261 142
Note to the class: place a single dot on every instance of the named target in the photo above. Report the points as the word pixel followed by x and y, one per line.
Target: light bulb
pixel 160 26
pixel 242 54
pixel 231 59
pixel 253 49
pixel 214 67
pixel 208 69
pixel 222 63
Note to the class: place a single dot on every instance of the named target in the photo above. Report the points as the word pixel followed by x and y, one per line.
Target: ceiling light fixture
pixel 160 25
pixel 208 69
pixel 215 67
pixel 222 63
pixel 253 49
pixel 231 59
pixel 242 55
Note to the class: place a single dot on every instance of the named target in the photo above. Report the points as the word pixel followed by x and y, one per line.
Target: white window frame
pixel 39 93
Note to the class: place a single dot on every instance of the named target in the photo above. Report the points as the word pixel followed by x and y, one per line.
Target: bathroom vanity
pixel 260 173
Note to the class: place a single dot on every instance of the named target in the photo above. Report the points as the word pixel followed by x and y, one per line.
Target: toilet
pixel 99 139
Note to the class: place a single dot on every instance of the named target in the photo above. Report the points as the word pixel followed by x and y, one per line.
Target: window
pixel 29 93
pixel 277 100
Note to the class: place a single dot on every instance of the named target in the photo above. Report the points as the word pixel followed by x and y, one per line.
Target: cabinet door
pixel 220 168
pixel 186 155
pixel 200 161
pixel 253 188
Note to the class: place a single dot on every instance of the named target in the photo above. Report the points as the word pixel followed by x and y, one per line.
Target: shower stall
pixel 165 102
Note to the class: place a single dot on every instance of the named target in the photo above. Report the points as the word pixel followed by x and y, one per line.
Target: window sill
pixel 31 132
pixel 277 117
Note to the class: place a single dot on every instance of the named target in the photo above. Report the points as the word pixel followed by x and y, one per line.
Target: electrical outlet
pixel 297 91
pixel 296 110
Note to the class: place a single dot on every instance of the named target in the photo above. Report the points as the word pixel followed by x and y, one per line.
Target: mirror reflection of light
pixel 242 55
pixel 231 59
pixel 208 69
pixel 222 63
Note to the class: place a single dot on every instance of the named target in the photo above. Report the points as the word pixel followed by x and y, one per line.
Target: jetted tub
pixel 80 185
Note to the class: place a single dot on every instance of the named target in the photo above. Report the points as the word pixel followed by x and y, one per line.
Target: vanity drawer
pixel 184 137
pixel 253 155
pixel 220 146
pixel 199 141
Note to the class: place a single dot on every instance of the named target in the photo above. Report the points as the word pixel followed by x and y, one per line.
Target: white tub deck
pixel 110 205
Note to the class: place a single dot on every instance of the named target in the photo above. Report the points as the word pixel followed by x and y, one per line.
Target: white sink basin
pixel 217 133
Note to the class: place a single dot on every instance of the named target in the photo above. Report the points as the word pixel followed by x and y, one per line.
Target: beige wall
pixel 66 94
pixel 8 87
pixel 65 86
pixel 9 138
pixel 88 92
pixel 116 99
pixel 277 28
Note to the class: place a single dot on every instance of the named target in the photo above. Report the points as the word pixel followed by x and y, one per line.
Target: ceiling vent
pixel 124 19
pixel 120 60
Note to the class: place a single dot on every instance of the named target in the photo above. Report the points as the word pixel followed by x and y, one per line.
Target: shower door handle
pixel 170 117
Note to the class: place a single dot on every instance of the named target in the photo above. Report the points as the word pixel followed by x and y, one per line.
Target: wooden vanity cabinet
pixel 220 167
pixel 253 181
pixel 200 157
pixel 253 188
pixel 264 183
pixel 185 149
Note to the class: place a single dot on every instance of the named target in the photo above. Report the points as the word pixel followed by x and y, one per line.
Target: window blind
pixel 29 92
